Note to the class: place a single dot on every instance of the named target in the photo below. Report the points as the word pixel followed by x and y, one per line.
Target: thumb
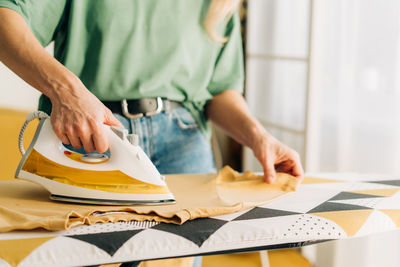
pixel 111 120
pixel 269 171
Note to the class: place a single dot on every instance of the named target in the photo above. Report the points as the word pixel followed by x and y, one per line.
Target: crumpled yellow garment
pixel 251 188
pixel 24 205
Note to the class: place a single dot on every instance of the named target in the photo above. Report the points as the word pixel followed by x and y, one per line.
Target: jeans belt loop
pixel 125 111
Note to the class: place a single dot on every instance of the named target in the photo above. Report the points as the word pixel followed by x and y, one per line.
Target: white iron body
pixel 137 179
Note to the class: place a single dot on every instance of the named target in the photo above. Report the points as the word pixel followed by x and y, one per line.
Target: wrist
pixel 63 88
pixel 257 134
pixel 254 133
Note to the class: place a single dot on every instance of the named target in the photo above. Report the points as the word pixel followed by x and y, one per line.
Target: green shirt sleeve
pixel 229 67
pixel 43 16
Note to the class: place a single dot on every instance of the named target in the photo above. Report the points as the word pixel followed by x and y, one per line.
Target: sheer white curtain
pixel 357 72
pixel 324 77
pixel 354 73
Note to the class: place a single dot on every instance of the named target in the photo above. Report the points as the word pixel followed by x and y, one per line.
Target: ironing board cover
pixel 332 206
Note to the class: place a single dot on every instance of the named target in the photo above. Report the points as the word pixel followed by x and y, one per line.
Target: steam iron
pixel 122 176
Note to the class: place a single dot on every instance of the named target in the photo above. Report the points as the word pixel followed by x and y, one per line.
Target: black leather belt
pixel 137 108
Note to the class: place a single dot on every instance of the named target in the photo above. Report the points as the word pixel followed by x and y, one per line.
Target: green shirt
pixel 129 49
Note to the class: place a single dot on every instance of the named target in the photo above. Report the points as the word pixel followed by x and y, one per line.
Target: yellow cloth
pixel 24 205
pixel 251 188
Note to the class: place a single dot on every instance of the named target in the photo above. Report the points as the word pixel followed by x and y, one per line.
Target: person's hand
pixel 275 156
pixel 78 116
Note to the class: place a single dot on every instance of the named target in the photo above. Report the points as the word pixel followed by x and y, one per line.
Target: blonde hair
pixel 217 12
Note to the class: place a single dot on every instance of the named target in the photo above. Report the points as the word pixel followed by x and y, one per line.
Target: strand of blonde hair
pixel 219 11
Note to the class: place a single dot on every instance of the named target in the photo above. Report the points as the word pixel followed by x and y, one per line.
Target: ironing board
pixel 328 207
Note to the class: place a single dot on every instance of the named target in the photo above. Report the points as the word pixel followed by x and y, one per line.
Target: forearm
pixel 23 54
pixel 229 110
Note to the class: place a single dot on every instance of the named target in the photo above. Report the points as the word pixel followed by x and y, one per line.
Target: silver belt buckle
pixel 127 114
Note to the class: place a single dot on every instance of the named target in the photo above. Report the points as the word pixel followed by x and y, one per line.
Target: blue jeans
pixel 173 142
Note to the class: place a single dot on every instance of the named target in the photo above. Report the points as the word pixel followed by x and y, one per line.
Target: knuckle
pixel 76 125
pixel 58 132
pixel 56 123
pixel 68 129
pixel 108 112
pixel 80 129
pixel 80 132
pixel 96 129
pixel 92 122
pixel 57 127
pixel 295 155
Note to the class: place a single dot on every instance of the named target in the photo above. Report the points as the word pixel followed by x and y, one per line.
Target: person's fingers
pixel 58 130
pixel 285 166
pixel 292 166
pixel 64 139
pixel 75 141
pixel 295 164
pixel 100 139
pixel 84 132
pixel 269 171
pixel 298 169
pixel 111 120
pixel 87 142
pixel 73 137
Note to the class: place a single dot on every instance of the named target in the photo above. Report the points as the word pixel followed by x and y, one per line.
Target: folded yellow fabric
pixel 24 205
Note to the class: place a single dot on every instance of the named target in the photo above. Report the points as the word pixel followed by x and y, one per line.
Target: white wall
pixel 16 93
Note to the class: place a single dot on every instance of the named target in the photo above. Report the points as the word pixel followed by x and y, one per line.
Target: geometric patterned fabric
pixel 258 213
pixel 109 242
pixel 197 231
pixel 323 208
